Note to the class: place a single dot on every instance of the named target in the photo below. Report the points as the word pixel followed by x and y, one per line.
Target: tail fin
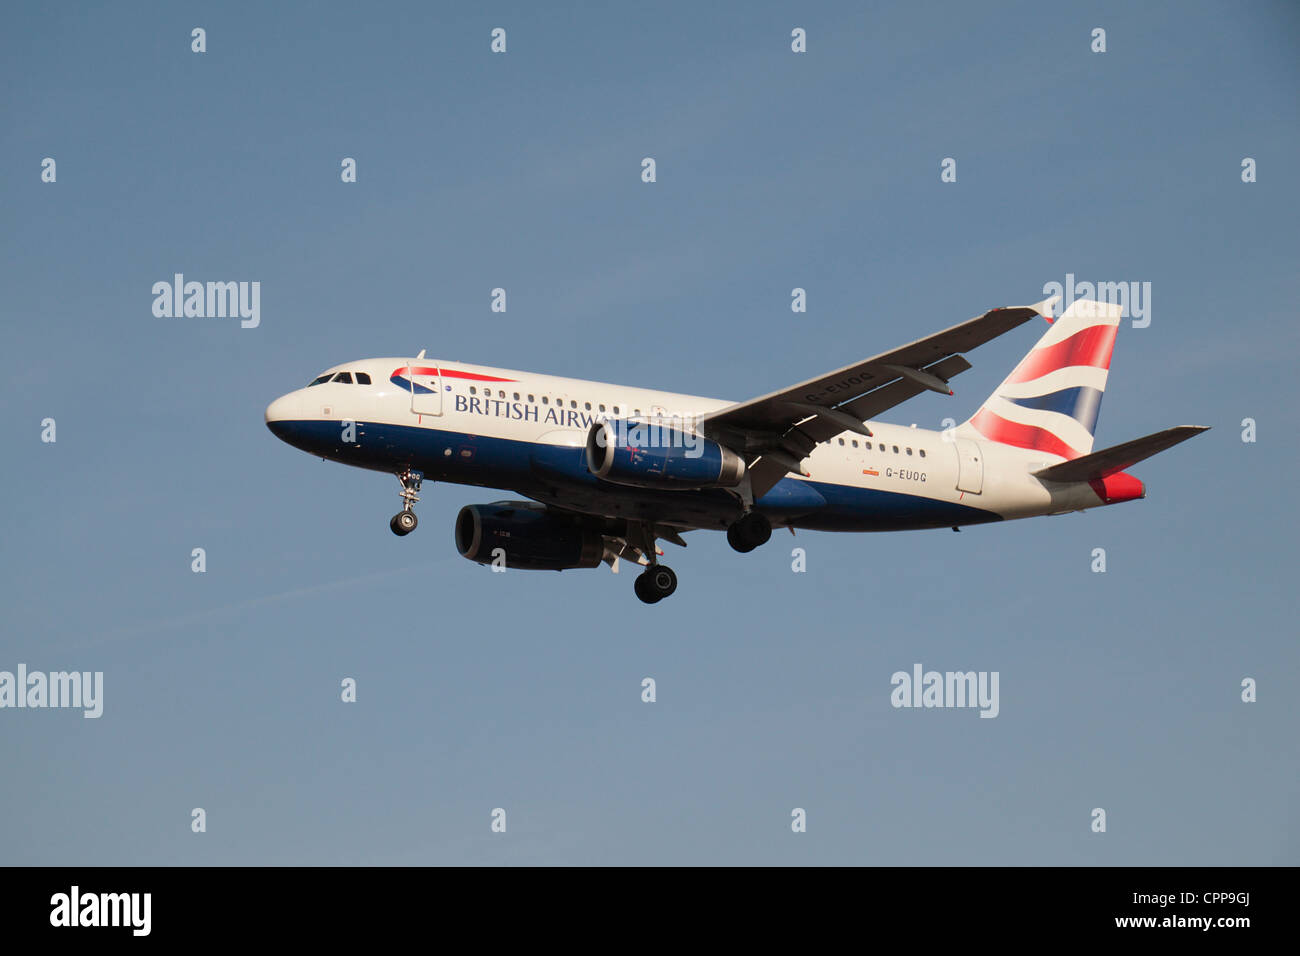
pixel 1050 402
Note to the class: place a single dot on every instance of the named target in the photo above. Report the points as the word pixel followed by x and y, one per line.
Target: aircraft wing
pixel 775 432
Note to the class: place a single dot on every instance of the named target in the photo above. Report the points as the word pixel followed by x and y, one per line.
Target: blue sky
pixel 522 691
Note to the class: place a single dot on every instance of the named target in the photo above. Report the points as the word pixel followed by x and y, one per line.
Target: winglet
pixel 1045 307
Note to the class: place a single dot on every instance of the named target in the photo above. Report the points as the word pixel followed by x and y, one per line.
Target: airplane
pixel 608 471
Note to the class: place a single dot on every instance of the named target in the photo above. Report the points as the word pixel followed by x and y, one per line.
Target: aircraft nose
pixel 278 415
pixel 275 411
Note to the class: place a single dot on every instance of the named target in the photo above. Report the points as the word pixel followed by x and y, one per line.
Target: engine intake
pixel 530 537
pixel 652 455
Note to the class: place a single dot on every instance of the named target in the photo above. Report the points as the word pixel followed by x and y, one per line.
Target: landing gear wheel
pixel 749 532
pixel 404 522
pixel 655 583
pixel 736 538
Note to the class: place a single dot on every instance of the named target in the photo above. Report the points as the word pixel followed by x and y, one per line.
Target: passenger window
pixel 868 445
pixel 516 396
pixel 615 409
pixel 545 400
pixel 895 449
pixel 344 377
pixel 602 408
pixel 531 399
pixel 909 451
pixel 841 441
pixel 588 406
pixel 573 404
pixel 501 393
pixel 922 452
pixel 363 378
pixel 855 443
pixel 473 390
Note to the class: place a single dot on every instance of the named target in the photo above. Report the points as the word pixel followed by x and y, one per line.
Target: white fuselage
pixel 525 431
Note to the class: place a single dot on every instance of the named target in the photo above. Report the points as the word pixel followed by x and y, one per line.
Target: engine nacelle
pixel 531 538
pixel 651 455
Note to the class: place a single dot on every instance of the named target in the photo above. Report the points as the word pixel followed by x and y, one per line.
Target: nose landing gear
pixel 405 521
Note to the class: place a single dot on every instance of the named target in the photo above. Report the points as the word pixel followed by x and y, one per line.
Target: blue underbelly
pixel 558 474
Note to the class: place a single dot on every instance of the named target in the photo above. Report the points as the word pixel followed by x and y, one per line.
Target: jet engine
pixel 526 536
pixel 651 455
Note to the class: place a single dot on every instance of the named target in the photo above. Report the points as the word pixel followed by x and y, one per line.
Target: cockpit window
pixel 343 378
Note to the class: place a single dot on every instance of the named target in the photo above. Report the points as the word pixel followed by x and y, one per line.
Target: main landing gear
pixel 655 583
pixel 749 532
pixel 404 522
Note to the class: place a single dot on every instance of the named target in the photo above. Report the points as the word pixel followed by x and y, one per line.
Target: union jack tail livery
pixel 1050 402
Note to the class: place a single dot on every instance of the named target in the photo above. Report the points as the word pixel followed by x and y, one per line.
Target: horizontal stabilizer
pixel 1101 464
